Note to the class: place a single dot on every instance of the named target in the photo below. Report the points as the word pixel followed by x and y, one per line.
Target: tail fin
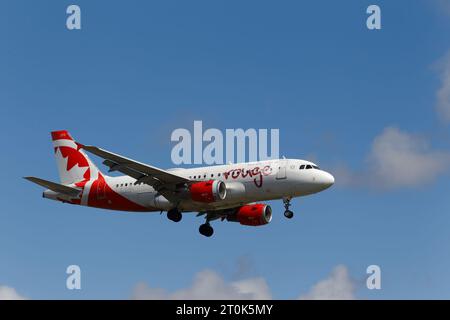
pixel 73 164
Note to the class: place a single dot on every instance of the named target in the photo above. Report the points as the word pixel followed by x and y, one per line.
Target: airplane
pixel 232 192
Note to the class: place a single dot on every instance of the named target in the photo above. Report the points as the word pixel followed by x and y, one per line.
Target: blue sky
pixel 136 71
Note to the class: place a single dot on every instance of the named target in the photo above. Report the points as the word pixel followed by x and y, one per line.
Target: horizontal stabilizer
pixel 55 186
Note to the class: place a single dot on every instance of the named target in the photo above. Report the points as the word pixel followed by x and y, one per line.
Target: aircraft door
pixel 281 170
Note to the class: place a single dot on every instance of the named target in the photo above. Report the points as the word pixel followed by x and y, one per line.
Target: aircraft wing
pixel 161 180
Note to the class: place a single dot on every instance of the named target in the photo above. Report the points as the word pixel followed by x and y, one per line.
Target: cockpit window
pixel 309 166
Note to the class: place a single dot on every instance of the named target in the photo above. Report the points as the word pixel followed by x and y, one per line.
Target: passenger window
pixel 212 175
pixel 219 174
pixel 302 167
pixel 117 185
pixel 121 184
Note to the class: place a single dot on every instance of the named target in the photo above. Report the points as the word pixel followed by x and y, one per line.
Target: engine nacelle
pixel 235 191
pixel 208 191
pixel 252 215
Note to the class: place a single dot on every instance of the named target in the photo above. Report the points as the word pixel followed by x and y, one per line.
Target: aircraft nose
pixel 326 180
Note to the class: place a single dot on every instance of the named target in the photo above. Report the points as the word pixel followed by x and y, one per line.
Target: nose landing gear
pixel 287 203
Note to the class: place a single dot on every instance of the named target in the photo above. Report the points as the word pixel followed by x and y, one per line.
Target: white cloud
pixel 338 286
pixel 208 285
pixel 443 93
pixel 8 293
pixel 256 288
pixel 400 159
pixel 396 159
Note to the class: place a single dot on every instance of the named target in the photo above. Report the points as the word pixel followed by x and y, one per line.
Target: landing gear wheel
pixel 174 215
pixel 206 230
pixel 288 214
pixel 287 203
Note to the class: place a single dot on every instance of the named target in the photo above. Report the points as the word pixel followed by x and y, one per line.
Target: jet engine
pixel 252 215
pixel 208 191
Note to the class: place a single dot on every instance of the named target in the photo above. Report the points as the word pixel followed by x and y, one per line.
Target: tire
pixel 288 214
pixel 174 215
pixel 206 230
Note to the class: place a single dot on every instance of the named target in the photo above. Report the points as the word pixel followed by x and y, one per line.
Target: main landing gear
pixel 287 213
pixel 206 229
pixel 174 215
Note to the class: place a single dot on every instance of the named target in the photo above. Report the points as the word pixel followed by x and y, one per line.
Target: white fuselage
pixel 246 183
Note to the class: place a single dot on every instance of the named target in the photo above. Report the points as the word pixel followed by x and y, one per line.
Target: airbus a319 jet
pixel 233 192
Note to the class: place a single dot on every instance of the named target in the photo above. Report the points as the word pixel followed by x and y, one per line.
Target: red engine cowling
pixel 208 191
pixel 254 214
